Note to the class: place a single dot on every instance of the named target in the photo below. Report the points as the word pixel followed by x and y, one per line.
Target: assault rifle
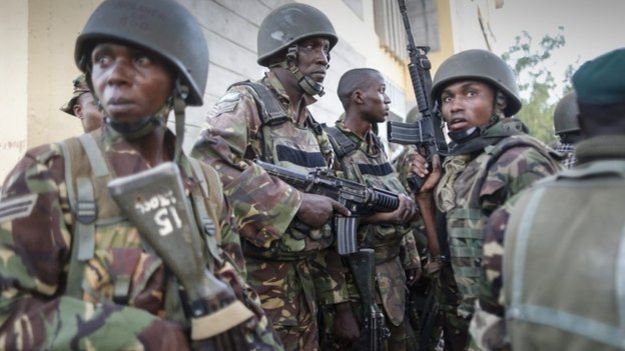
pixel 156 203
pixel 359 199
pixel 426 133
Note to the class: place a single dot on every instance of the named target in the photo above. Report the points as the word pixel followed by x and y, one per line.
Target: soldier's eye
pixel 143 60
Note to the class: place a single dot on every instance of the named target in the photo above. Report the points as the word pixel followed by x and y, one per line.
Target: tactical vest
pixel 465 222
pixel 286 144
pixel 564 266
pixel 385 239
pixel 99 224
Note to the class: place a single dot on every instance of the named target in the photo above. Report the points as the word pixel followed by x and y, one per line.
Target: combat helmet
pixel 565 115
pixel 283 28
pixel 160 26
pixel 480 65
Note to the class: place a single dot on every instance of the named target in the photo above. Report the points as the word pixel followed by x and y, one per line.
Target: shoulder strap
pixel 269 108
pixel 341 143
pixel 83 206
pixel 206 223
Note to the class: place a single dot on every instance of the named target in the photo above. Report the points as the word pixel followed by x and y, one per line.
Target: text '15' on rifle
pixel 358 198
pixel 426 133
pixel 156 203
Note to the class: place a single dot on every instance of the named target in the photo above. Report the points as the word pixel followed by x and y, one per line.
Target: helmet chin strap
pixel 181 92
pixel 306 83
pixel 462 136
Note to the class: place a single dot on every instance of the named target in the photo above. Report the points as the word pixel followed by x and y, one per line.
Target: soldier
pixel 567 128
pixel 286 233
pixel 76 272
pixel 491 159
pixel 553 266
pixel 362 158
pixel 83 105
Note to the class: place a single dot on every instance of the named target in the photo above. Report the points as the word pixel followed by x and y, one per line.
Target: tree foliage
pixel 537 85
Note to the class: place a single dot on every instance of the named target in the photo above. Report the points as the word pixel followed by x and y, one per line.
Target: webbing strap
pixel 69 181
pixel 86 215
pixel 466 213
pixel 84 236
pixel 590 328
pixel 96 160
pixel 342 144
pixel 522 241
pixel 207 225
pixel 466 233
pixel 465 252
pixel 468 290
pixel 468 272
pixel 199 175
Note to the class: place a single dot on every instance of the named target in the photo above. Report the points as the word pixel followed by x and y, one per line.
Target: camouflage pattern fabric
pixel 36 244
pixel 289 268
pixel 369 165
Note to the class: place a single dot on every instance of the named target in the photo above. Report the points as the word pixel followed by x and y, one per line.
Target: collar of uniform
pixel 114 142
pixel 367 144
pixel 600 147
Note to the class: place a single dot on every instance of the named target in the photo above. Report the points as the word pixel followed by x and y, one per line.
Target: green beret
pixel 602 81
pixel 80 87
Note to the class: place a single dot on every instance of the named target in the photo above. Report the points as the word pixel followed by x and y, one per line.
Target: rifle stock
pixel 156 203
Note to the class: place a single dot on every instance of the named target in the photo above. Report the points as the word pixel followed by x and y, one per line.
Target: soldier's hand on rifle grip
pixel 317 210
pixel 419 166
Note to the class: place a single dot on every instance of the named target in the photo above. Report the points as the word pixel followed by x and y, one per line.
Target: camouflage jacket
pixel 127 300
pixel 264 206
pixel 488 327
pixel 368 164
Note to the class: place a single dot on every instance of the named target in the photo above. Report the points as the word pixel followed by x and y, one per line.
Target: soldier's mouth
pixel 457 124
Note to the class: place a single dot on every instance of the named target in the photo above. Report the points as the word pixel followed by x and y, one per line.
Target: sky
pixel 590 28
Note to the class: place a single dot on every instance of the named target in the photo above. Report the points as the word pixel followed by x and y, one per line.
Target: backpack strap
pixel 204 220
pixel 341 143
pixel 83 206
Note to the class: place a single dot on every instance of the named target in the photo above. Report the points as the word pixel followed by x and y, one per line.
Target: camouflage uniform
pixel 472 187
pixel 126 298
pixel 287 263
pixel 394 245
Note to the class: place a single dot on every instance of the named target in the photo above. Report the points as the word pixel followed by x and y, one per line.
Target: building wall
pixel 13 90
pixel 43 33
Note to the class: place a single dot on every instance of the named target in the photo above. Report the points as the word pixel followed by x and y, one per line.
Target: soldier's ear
pixel 77 110
pixel 357 97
